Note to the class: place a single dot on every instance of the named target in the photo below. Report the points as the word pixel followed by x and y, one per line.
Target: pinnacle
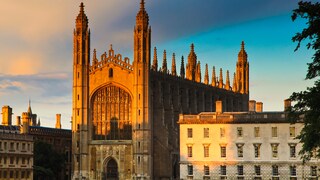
pixel 242 45
pixel 142 5
pixel 192 47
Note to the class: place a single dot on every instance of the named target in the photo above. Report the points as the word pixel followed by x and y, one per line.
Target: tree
pixel 307 103
pixel 47 162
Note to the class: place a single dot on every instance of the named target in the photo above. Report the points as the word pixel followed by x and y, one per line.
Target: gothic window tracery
pixel 111 114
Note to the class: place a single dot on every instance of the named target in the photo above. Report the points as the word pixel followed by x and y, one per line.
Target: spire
pixel 242 56
pixel 182 73
pixel 227 86
pixel 206 76
pixel 155 60
pixel 198 73
pixel 173 66
pixel 82 20
pixel 220 79
pixel 164 62
pixel 192 63
pixel 142 17
pixel 29 108
pixel 95 60
pixel 234 86
pixel 242 71
pixel 214 82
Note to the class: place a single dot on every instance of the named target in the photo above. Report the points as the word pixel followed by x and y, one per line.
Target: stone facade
pixel 255 145
pixel 125 114
pixel 16 154
pixel 60 139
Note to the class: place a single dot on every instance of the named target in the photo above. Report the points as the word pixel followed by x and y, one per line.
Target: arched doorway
pixel 111 170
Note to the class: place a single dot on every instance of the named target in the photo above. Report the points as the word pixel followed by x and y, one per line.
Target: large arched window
pixel 111 114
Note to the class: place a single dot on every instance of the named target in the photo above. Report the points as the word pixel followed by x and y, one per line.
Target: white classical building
pixel 243 145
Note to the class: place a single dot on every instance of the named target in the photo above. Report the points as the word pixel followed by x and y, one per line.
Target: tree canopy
pixel 47 162
pixel 307 102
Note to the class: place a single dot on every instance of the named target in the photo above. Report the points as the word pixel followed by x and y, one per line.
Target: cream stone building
pixel 16 154
pixel 16 144
pixel 242 145
pixel 124 119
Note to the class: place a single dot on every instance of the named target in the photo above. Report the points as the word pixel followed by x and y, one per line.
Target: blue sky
pixel 36 45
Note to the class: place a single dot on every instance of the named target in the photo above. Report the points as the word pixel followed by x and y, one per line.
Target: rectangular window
pixel 206 132
pixel 12 146
pixel 293 171
pixel 274 131
pixel 292 150
pixel 240 170
pixel 257 150
pixel 189 132
pixel 11 160
pixel 206 170
pixel 256 132
pixel 222 132
pixel 206 151
pixel 313 170
pixel 223 151
pixel 292 131
pixel 239 132
pixel 223 170
pixel 240 149
pixel 275 170
pixel 274 149
pixel 190 170
pixel 257 170
pixel 189 151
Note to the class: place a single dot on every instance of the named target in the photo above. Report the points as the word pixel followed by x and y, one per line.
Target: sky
pixel 36 45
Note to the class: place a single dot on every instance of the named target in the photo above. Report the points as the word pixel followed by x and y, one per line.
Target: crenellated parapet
pixel 111 57
pixel 192 71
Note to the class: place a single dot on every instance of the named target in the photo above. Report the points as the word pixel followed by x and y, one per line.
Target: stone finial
pixel 242 56
pixel 214 82
pixel 234 86
pixel 142 5
pixel 227 86
pixel 220 79
pixel 173 66
pixel 155 60
pixel 206 76
pixel 182 72
pixel 82 18
pixel 198 72
pixel 164 62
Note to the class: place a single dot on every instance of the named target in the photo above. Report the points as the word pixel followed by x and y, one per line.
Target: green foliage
pixel 311 12
pixel 47 162
pixel 307 105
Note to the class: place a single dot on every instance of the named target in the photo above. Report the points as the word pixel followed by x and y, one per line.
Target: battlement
pixel 111 57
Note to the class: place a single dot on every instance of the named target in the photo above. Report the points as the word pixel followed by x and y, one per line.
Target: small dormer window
pixel 110 73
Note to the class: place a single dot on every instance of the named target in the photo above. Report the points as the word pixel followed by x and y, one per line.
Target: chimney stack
pixel 6 116
pixel 18 122
pixel 287 104
pixel 219 106
pixel 25 123
pixel 58 121
pixel 259 107
pixel 252 106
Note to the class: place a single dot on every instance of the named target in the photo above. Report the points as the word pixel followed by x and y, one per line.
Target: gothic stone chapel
pixel 124 120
